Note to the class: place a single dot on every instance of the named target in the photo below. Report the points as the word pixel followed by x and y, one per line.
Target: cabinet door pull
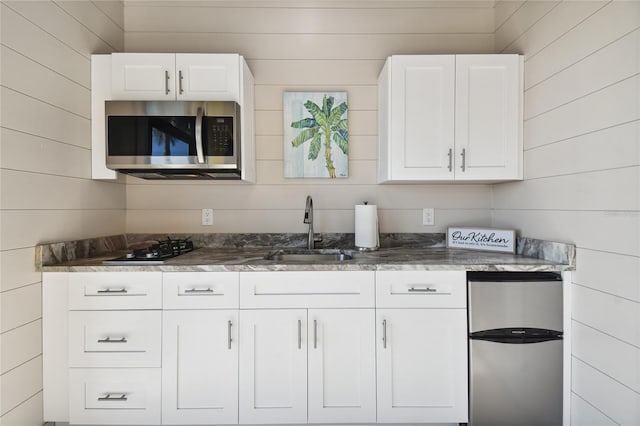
pixel 110 340
pixel 199 290
pixel 384 334
pixel 315 334
pixel 422 290
pixel 180 77
pixel 108 397
pixel 166 82
pixel 464 159
pixel 299 334
pixel 112 291
pixel 450 155
pixel 229 339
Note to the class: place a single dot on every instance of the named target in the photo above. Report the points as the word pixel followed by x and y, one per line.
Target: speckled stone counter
pixel 247 252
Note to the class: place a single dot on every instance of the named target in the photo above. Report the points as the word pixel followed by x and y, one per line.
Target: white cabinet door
pixel 143 76
pixel 208 77
pixel 200 367
pixel 422 365
pixel 273 366
pixel 342 377
pixel 422 117
pixel 488 117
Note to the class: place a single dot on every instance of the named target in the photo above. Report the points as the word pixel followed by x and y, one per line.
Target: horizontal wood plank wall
pixel 45 170
pixel 582 181
pixel 307 46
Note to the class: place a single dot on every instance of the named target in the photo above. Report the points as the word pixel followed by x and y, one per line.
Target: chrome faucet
pixel 308 218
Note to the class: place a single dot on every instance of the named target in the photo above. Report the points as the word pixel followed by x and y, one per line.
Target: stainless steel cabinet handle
pixel 180 77
pixel 299 334
pixel 110 340
pixel 315 334
pixel 166 82
pixel 384 334
pixel 108 397
pixel 450 154
pixel 112 290
pixel 422 290
pixel 464 159
pixel 198 290
pixel 229 339
pixel 199 148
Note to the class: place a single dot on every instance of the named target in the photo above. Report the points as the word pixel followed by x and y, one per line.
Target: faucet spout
pixel 308 218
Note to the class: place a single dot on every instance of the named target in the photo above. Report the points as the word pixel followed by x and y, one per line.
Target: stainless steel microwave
pixel 174 140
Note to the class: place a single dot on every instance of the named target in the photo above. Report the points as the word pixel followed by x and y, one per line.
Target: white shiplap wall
pixel 582 181
pixel 45 170
pixel 307 46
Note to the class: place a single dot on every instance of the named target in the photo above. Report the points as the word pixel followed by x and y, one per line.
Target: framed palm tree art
pixel 316 135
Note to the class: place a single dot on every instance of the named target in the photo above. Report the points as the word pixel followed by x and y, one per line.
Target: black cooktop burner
pixel 155 253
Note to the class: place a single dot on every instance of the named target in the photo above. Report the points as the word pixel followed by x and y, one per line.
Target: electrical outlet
pixel 428 216
pixel 207 217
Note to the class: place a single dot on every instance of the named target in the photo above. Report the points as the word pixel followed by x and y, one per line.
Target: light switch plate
pixel 428 216
pixel 207 217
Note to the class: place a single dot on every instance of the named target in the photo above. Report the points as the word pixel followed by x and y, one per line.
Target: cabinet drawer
pixel 114 396
pixel 421 289
pixel 318 289
pixel 200 290
pixel 115 290
pixel 115 339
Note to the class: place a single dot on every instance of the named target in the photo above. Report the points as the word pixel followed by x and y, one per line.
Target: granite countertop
pixel 403 253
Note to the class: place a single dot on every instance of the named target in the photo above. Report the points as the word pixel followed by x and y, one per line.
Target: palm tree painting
pixel 316 135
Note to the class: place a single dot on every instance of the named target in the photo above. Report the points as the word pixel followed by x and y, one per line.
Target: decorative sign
pixel 487 239
pixel 316 135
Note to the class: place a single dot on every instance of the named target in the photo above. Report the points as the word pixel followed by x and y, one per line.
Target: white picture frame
pixel 484 239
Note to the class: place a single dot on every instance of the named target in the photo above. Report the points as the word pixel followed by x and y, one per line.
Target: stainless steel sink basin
pixel 314 256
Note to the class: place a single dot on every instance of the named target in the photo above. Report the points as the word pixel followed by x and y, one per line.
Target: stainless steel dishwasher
pixel 515 349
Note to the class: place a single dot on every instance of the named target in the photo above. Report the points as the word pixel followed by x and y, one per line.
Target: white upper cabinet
pixel 450 117
pixel 169 76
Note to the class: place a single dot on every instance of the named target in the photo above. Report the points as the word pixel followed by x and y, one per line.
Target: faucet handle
pixel 317 239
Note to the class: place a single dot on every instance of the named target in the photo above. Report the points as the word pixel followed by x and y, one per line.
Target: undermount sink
pixel 302 255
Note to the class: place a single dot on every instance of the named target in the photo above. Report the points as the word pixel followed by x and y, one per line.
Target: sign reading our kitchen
pixel 501 240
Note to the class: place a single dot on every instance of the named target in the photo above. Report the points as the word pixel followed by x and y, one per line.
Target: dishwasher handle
pixel 517 335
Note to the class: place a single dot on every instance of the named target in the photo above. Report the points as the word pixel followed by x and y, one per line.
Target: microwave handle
pixel 199 147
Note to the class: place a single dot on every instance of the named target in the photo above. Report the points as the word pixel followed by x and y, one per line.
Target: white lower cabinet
pixel 341 371
pixel 422 365
pixel 273 366
pixel 200 367
pixel 114 396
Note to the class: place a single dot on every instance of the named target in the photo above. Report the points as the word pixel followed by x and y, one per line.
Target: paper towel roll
pixel 367 227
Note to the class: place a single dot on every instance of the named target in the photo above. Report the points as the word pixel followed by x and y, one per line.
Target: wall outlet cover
pixel 428 216
pixel 207 217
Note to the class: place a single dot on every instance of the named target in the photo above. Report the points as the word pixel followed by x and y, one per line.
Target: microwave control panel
pixel 219 136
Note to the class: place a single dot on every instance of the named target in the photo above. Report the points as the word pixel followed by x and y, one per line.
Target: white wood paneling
pixel 520 21
pixel 585 414
pixel 608 107
pixel 587 229
pixel 60 25
pixel 20 306
pixel 29 413
pixel 113 9
pixel 504 9
pixel 27 190
pixel 20 384
pixel 23 36
pixel 319 72
pixel 609 272
pixel 613 63
pixel 20 344
pixel 359 97
pixel 618 402
pixel 298 20
pixel 554 24
pixel 612 315
pixel 616 147
pixel 53 122
pixel 16 268
pixel 26 228
pixel 611 356
pixel 611 22
pixel 93 18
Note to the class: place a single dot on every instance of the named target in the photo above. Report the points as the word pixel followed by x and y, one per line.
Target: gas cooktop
pixel 155 254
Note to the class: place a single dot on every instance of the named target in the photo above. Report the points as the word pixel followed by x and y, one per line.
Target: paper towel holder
pixel 377 235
